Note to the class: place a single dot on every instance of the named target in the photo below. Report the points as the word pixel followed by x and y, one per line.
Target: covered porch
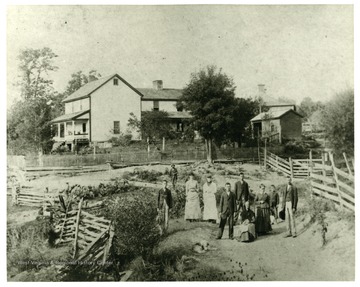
pixel 71 130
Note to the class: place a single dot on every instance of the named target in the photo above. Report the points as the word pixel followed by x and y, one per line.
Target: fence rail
pixel 327 180
pixel 244 153
pixel 333 183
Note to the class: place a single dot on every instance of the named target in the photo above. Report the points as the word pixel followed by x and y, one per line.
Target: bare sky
pixel 296 51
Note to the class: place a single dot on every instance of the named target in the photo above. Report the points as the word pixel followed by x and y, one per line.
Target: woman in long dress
pixel 192 205
pixel 245 232
pixel 262 212
pixel 210 210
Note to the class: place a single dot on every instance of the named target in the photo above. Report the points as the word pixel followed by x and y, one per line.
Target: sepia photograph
pixel 183 142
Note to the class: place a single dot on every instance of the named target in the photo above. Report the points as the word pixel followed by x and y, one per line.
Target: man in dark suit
pixel 227 210
pixel 241 194
pixel 163 205
pixel 289 202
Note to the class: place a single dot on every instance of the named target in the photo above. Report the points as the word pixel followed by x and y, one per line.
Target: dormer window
pixel 116 82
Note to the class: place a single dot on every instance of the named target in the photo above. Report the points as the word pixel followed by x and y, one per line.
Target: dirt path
pixel 272 257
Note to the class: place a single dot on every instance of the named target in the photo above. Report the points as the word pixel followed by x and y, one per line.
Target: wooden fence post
pixel 310 162
pixel 323 165
pixel 291 167
pixel 108 243
pixel 336 179
pixel 265 155
pixel 347 163
pixel 77 227
pixel 277 163
pixel 14 195
pixel 258 140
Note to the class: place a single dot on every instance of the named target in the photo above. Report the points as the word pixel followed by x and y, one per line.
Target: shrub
pixel 134 218
pixel 121 140
pixel 147 175
pixel 161 265
pixel 179 199
pixel 28 249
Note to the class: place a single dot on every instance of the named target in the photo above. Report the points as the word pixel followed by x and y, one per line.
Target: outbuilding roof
pixel 273 115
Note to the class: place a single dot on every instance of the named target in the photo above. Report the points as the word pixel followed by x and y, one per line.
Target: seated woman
pixel 245 232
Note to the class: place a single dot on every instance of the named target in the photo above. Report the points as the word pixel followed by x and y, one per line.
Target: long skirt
pixel 262 221
pixel 210 210
pixel 245 232
pixel 163 217
pixel 192 206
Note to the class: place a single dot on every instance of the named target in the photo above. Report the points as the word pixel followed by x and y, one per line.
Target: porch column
pixel 88 130
pixel 73 132
pixel 58 126
pixel 65 131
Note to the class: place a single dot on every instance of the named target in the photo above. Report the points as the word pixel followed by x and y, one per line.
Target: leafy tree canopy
pixel 79 79
pixel 153 124
pixel 210 99
pixel 338 121
pixel 28 128
pixel 308 106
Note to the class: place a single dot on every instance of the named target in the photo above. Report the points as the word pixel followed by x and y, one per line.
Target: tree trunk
pixel 208 144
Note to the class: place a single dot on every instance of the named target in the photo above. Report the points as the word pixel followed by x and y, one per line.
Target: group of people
pixel 234 207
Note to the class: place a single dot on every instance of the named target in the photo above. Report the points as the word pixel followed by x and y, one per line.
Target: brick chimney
pixel 158 85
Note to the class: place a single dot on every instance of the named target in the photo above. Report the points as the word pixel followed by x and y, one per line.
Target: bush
pixel 134 218
pixel 121 140
pixel 28 250
pixel 86 150
pixel 179 199
pixel 163 265
pixel 147 175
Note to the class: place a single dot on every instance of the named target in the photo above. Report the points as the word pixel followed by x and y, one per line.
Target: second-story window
pixel 81 105
pixel 116 127
pixel 156 106
pixel 116 82
pixel 84 127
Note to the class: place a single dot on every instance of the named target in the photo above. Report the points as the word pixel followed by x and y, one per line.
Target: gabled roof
pixel 273 115
pixel 90 87
pixel 163 94
pixel 69 117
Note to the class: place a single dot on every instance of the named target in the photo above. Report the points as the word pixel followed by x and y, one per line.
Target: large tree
pixel 308 106
pixel 210 99
pixel 28 120
pixel 79 79
pixel 244 110
pixel 338 122
pixel 153 124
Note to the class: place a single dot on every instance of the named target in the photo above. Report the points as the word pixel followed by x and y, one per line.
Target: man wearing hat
pixel 290 200
pixel 173 175
pixel 164 203
pixel 241 195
